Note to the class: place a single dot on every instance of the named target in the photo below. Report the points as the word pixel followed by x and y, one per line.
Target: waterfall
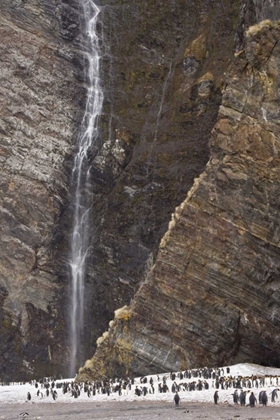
pixel 81 179
pixel 159 114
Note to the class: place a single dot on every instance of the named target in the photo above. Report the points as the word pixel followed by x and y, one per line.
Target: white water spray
pixel 81 178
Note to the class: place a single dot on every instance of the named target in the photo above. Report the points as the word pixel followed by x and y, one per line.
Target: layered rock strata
pixel 212 297
pixel 163 68
pixel 40 74
pixel 159 64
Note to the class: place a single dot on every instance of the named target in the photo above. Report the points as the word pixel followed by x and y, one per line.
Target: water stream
pixel 81 179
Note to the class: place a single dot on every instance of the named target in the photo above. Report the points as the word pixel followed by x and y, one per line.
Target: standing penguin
pixel 274 395
pixel 235 397
pixel 176 399
pixel 28 396
pixel 252 400
pixel 264 398
pixel 242 397
pixel 216 397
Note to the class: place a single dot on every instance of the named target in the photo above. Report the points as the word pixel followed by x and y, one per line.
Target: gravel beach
pixel 134 410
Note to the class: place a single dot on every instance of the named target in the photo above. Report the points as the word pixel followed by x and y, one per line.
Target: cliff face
pixel 40 74
pixel 163 72
pixel 266 9
pixel 212 297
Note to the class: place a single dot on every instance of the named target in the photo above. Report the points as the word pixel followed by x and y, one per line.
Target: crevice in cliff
pixel 273 48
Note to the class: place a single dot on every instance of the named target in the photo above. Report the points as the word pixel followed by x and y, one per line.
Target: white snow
pixel 17 393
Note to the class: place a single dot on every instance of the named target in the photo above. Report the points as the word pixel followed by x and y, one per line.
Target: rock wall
pixel 212 297
pixel 161 80
pixel 40 96
pixel 267 9
pixel 163 71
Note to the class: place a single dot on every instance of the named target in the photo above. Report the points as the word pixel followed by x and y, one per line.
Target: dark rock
pixel 212 296
pixel 163 73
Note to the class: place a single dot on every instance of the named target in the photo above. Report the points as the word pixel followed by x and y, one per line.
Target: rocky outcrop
pixel 212 297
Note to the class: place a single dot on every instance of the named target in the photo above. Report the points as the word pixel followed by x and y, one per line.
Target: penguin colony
pixel 190 380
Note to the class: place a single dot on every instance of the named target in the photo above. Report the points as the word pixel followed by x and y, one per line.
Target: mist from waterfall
pixel 81 179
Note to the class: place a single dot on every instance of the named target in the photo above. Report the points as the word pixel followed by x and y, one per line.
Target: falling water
pixel 159 114
pixel 158 118
pixel 81 178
